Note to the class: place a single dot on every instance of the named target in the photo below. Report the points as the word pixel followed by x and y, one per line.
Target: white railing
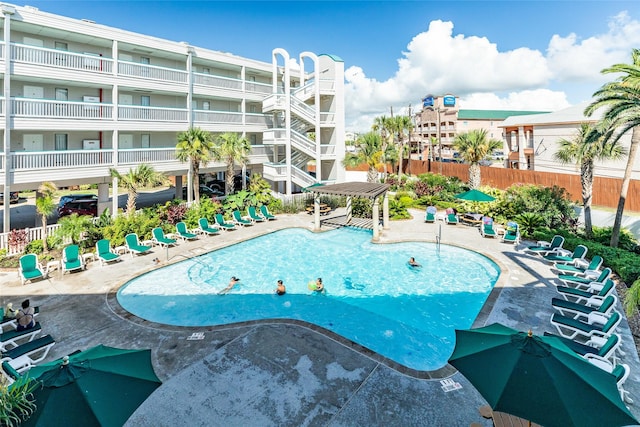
pixel 152 72
pixel 217 81
pixel 1 161
pixel 327 118
pixel 32 234
pixel 60 58
pixel 159 114
pixel 274 170
pixel 274 136
pixel 303 143
pixel 257 87
pixel 327 85
pixel 26 107
pixel 327 150
pixel 302 110
pixel 303 178
pixel 274 102
pixel 217 116
pixel 147 155
pixel 305 91
pixel 260 150
pixel 60 159
pixel 258 119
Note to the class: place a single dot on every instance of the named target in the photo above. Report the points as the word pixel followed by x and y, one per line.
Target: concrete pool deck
pixel 286 373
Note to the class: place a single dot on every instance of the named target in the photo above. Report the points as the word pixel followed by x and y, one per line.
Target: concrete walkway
pixel 280 373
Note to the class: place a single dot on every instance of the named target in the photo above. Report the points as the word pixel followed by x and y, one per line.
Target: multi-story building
pixel 80 98
pixel 531 142
pixel 440 120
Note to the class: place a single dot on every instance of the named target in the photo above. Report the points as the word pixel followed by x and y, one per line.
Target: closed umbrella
pixel 538 378
pixel 101 386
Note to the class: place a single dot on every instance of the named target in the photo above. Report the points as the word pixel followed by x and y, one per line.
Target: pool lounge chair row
pixel 29 268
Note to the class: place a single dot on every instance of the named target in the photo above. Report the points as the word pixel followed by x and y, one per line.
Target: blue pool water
pixel 372 296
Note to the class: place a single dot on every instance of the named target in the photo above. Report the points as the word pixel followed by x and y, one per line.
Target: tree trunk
pixel 229 177
pixel 633 150
pixel 400 146
pixel 474 175
pixel 45 246
pixel 131 201
pixel 195 167
pixel 586 179
pixel 372 174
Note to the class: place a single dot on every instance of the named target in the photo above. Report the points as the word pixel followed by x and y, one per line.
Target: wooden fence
pixel 606 191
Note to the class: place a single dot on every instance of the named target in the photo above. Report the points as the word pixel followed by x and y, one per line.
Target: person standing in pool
pixel 281 290
pixel 230 286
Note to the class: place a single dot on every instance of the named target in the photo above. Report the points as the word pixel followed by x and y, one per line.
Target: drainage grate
pixel 450 385
pixel 196 336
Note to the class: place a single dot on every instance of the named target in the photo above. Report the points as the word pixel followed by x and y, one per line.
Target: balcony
pixel 61 59
pixel 48 160
pixel 43 108
pixel 217 117
pixel 151 72
pixel 154 114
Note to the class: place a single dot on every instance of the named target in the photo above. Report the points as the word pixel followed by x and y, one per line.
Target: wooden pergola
pixel 350 190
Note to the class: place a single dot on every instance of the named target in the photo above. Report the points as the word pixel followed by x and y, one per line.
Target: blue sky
pixel 543 55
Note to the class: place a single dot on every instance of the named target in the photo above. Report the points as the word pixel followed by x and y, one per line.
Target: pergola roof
pixel 366 190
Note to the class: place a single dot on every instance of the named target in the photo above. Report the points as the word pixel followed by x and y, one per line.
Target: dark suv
pixel 14 197
pixel 80 207
pixel 205 191
pixel 71 197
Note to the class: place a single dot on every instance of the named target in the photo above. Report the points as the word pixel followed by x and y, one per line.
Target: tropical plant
pixel 632 299
pixel 400 126
pixel 261 189
pixel 239 201
pixel 17 402
pixel 369 152
pixel 473 147
pixel 73 227
pixel 45 206
pixel 529 222
pixel 207 208
pixel 621 102
pixel 383 126
pixel 231 148
pixel 194 146
pixel 143 175
pixel 587 146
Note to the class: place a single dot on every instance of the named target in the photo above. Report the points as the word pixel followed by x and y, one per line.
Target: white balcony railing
pixel 274 137
pixel 301 177
pixel 158 114
pixel 302 110
pixel 217 81
pixel 223 117
pixel 264 88
pixel 151 72
pixel 60 159
pixel 258 119
pixel 60 58
pixel 327 85
pixel 327 118
pixel 328 150
pixel 148 155
pixel 25 107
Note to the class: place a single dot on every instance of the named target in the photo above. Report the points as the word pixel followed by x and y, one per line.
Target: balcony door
pixel 125 141
pixel 33 142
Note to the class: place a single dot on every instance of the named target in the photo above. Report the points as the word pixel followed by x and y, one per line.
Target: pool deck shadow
pixel 285 372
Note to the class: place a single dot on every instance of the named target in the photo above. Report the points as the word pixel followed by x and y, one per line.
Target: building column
pixel 103 197
pixel 349 209
pixel 375 220
pixel 522 161
pixel 178 179
pixel 38 222
pixel 114 197
pixel 316 213
pixel 7 11
pixel 385 211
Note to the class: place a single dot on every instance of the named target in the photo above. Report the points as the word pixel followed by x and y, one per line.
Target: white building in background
pixel 80 98
pixel 530 142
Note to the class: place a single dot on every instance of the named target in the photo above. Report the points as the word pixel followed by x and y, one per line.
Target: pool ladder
pixel 439 237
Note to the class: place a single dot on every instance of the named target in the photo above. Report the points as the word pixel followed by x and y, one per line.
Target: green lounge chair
pixel 580 252
pixel 29 268
pixel 451 217
pixel 597 324
pixel 205 228
pixel 584 282
pixel 591 270
pixel 27 355
pixel 239 220
pixel 183 233
pixel 105 253
pixel 582 310
pixel 160 239
pixel 224 225
pixel 580 295
pixel 11 339
pixel 264 210
pixel 605 347
pixel 511 233
pixel 255 217
pixel 487 227
pixel 71 259
pixel 430 215
pixel 545 248
pixel 133 245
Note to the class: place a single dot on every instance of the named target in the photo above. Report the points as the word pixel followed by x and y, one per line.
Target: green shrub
pixel 34 247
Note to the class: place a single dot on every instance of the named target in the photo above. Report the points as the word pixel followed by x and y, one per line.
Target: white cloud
pixel 483 77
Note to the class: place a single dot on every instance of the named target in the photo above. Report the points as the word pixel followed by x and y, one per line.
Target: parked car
pixel 14 197
pixel 205 191
pixel 80 207
pixel 71 197
pixel 219 184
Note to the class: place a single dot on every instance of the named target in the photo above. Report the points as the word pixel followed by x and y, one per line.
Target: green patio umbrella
pixel 538 378
pixel 475 196
pixel 101 386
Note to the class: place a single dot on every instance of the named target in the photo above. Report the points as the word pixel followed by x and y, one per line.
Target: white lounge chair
pixel 597 324
pixel 581 310
pixel 27 355
pixel 543 248
pixel 580 268
pixel 563 256
pixel 13 339
pixel 584 282
pixel 621 371
pixel 581 295
pixel 30 269
pixel 105 252
pixel 606 348
pixel 132 243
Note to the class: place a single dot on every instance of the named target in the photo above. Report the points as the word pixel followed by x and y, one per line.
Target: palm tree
pixel 194 146
pixel 473 147
pixel 586 147
pixel 383 125
pixel 73 227
pixel 369 152
pixel 622 101
pixel 45 206
pixel 400 125
pixel 144 175
pixel 231 148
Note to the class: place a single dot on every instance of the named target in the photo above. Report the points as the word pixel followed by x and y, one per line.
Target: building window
pixel 145 101
pixel 60 46
pixel 145 60
pixel 206 105
pixel 145 140
pixel 61 141
pixel 206 70
pixel 62 94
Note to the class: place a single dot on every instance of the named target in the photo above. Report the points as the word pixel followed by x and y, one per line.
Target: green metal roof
pixel 334 57
pixel 493 114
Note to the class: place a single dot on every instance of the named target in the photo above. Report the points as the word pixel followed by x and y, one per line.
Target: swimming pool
pixel 372 296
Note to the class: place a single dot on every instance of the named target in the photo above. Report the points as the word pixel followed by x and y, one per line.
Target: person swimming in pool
pixel 281 290
pixel 413 263
pixel 230 286
pixel 319 286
